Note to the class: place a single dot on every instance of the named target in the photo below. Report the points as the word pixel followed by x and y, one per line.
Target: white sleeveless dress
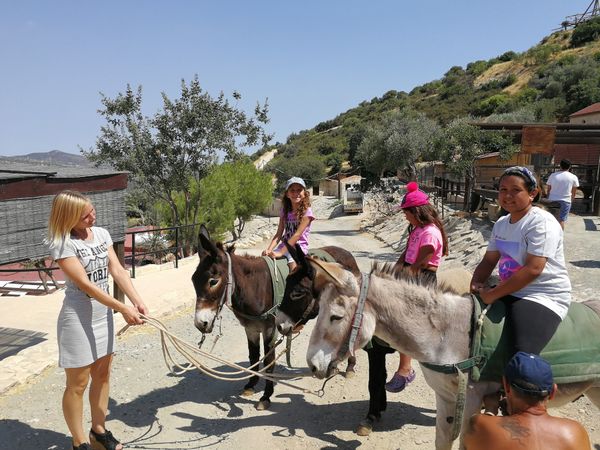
pixel 85 326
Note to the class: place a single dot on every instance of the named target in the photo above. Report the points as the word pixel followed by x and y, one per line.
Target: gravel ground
pixel 150 409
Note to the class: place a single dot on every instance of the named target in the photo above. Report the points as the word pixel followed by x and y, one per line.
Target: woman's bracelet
pixel 489 413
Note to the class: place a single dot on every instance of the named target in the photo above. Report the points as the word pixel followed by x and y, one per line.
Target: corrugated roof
pixel 11 170
pixel 594 108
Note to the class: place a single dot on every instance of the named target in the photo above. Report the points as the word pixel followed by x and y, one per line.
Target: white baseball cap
pixel 295 180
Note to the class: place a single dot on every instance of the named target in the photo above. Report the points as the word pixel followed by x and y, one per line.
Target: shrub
pixel 586 32
pixel 507 56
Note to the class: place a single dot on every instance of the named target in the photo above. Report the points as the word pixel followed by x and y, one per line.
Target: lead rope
pixel 187 351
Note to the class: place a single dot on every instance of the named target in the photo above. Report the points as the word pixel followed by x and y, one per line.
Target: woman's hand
pixel 142 308
pixel 131 315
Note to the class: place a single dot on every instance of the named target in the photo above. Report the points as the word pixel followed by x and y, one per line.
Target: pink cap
pixel 414 196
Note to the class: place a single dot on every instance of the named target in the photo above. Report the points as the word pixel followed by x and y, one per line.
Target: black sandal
pixel 84 446
pixel 104 441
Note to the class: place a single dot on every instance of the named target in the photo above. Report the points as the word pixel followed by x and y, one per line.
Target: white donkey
pixel 428 324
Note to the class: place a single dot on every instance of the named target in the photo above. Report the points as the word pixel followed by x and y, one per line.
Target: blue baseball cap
pixel 295 180
pixel 530 374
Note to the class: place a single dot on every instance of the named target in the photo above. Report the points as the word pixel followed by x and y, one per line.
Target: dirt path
pixel 152 410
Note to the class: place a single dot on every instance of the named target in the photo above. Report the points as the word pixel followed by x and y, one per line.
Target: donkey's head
pixel 299 300
pixel 210 281
pixel 338 291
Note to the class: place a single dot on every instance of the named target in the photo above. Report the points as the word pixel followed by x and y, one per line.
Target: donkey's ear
pixel 204 231
pixel 208 245
pixel 326 272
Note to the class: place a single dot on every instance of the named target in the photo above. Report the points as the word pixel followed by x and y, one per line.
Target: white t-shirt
pixel 562 183
pixel 537 233
pixel 93 256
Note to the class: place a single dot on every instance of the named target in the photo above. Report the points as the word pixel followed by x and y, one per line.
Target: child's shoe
pixel 399 382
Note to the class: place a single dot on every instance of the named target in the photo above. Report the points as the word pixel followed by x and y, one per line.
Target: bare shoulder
pixel 477 432
pixel 571 432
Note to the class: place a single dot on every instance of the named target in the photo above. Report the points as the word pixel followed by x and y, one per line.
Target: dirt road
pixel 150 409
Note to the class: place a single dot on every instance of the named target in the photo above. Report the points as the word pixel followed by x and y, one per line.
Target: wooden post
pixel 119 248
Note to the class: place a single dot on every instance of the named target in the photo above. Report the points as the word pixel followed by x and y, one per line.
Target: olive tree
pixel 179 143
pixel 398 142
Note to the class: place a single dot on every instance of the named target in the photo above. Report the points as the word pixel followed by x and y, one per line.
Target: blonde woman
pixel 85 323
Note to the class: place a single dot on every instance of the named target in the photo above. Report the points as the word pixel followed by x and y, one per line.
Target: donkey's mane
pixel 231 249
pixel 395 272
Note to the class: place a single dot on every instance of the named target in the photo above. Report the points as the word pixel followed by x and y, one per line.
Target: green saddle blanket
pixel 279 271
pixel 573 351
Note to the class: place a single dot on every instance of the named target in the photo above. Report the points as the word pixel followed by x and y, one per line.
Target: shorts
pixel 565 207
pixel 286 254
pixel 426 277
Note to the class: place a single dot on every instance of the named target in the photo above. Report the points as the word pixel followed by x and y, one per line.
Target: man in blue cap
pixel 529 385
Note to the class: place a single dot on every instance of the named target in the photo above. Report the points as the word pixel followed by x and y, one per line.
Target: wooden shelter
pixel 26 193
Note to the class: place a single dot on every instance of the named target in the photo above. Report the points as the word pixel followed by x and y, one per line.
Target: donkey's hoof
pixel 365 427
pixel 248 392
pixel 262 405
pixel 350 373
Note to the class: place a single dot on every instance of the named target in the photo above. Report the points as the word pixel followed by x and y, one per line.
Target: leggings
pixel 533 325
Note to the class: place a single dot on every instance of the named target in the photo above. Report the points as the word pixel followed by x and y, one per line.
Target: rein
pixel 348 346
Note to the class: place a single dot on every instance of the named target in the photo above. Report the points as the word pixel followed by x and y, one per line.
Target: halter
pixel 228 292
pixel 357 319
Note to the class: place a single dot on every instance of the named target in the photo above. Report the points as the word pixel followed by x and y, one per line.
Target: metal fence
pixel 131 258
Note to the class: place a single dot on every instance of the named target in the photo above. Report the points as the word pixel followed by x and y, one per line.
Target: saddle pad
pixel 573 351
pixel 279 270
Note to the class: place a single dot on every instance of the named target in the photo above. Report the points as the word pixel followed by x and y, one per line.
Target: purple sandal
pixel 399 382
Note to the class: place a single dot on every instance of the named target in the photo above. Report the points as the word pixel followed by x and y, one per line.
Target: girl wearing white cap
pixel 294 221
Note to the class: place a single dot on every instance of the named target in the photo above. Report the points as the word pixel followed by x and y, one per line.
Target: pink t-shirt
pixel 421 236
pixel 291 225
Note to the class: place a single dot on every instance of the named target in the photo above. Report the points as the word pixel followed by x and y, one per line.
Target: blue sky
pixel 311 59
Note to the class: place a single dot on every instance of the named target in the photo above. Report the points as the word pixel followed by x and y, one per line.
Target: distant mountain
pixel 53 157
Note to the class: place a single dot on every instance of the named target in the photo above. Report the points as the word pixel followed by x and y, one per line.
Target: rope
pixel 188 351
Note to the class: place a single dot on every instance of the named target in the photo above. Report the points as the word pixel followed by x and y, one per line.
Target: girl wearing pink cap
pixel 294 221
pixel 427 244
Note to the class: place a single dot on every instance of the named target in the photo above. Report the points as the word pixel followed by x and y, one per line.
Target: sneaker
pixel 399 382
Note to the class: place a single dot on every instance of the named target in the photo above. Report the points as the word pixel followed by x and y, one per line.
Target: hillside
pixel 546 83
pixel 52 157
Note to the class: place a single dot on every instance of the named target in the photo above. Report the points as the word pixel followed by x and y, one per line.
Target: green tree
pixel 463 142
pixel 402 139
pixel 231 194
pixel 586 32
pixel 178 144
pixel 308 167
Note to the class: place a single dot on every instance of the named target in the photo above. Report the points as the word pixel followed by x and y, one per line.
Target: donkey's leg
pixel 445 388
pixel 350 372
pixel 253 337
pixel 269 338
